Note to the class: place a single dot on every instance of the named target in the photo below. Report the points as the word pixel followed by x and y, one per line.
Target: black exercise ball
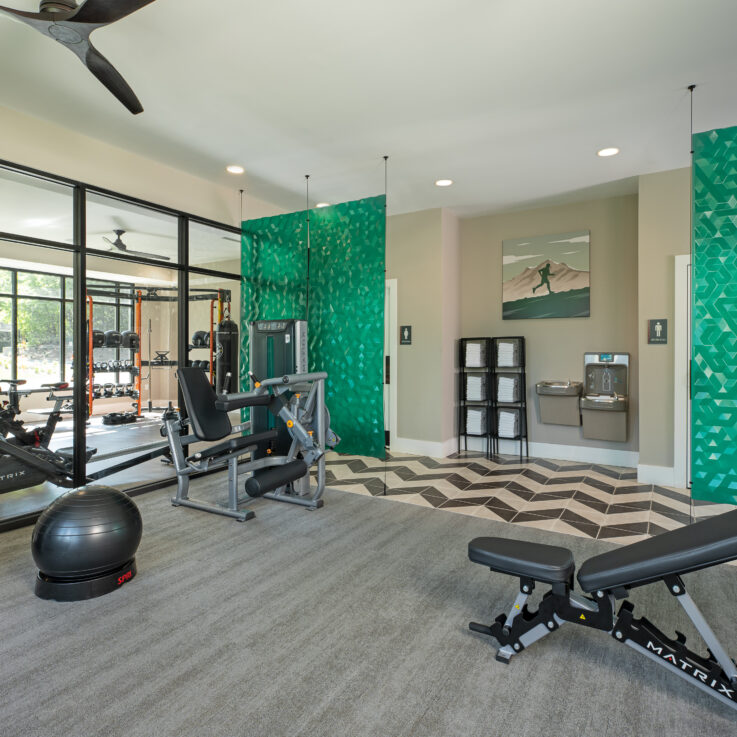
pixel 85 542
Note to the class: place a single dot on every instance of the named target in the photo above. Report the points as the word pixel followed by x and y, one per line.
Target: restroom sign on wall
pixel 657 331
pixel 405 335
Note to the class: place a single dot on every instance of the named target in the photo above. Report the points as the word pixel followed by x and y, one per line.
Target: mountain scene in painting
pixel 546 276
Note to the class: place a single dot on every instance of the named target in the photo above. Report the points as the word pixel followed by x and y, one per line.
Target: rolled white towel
pixel 473 355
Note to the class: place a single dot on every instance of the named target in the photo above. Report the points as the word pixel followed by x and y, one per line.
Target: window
pixel 34 206
pixel 38 285
pixel 128 230
pixel 38 347
pixel 42 349
pixel 6 340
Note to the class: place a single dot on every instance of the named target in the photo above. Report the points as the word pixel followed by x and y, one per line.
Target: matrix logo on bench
pixel 13 475
pixel 692 670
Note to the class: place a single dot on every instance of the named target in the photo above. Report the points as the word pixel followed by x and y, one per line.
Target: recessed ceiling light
pixel 443 182
pixel 322 204
pixel 234 169
pixel 611 151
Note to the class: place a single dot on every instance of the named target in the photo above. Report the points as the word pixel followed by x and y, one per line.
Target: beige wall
pixel 664 232
pixel 423 255
pixel 450 274
pixel 413 257
pixel 555 347
pixel 42 145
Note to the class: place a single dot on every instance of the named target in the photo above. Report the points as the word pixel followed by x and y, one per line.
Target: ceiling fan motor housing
pixel 57 6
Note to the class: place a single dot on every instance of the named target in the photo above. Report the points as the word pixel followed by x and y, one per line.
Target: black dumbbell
pixel 131 340
pixel 113 339
pixel 201 339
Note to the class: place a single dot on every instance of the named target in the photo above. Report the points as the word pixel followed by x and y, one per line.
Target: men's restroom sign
pixel 405 335
pixel 657 331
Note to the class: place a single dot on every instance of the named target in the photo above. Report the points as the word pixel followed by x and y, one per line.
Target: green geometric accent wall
pixel 343 301
pixel 273 271
pixel 714 314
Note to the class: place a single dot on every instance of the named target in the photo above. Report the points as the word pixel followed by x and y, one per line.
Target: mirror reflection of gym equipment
pixel 133 343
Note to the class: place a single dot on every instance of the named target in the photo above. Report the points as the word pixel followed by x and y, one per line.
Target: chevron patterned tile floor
pixel 586 500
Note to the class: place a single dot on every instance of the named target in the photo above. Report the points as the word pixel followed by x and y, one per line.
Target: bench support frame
pixel 716 673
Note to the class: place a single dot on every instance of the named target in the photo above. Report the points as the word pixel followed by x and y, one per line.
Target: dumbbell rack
pixel 214 322
pixel 135 369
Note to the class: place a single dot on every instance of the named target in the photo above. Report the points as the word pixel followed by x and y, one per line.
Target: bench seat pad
pixel 234 444
pixel 678 551
pixel 546 563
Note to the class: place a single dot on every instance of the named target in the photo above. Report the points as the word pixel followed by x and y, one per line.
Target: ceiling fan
pixel 118 245
pixel 71 25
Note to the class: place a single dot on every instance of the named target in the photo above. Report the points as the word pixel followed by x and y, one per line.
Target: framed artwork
pixel 546 276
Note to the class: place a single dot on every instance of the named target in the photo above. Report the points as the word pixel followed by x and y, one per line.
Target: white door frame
pixel 682 365
pixel 391 338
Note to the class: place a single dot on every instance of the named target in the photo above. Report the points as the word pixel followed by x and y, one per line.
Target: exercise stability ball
pixel 85 543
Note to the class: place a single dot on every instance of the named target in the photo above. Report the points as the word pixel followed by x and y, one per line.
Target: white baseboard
pixel 429 448
pixel 660 475
pixel 576 453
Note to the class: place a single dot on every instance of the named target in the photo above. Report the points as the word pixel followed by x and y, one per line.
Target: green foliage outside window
pixel 6 282
pixel 39 337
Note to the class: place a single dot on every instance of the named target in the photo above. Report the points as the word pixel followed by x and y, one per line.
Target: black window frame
pixel 79 250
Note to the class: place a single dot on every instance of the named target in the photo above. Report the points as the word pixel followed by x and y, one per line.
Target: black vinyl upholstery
pixel 235 444
pixel 268 479
pixel 685 549
pixel 208 423
pixel 546 563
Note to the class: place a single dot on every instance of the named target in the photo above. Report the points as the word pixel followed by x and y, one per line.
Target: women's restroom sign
pixel 657 331
pixel 405 335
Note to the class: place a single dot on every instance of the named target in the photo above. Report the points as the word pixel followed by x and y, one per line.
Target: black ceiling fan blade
pixel 112 79
pixel 102 12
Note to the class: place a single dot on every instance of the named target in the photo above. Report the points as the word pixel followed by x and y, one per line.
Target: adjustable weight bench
pixel 608 577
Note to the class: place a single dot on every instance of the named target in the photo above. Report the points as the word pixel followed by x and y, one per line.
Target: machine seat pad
pixel 545 563
pixel 678 551
pixel 234 444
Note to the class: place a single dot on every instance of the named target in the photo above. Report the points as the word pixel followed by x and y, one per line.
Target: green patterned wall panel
pixel 273 270
pixel 345 323
pixel 345 317
pixel 714 327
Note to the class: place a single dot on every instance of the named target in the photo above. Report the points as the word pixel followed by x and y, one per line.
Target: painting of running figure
pixel 546 276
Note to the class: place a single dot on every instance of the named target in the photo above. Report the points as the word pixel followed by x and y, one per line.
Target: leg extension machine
pixel 298 399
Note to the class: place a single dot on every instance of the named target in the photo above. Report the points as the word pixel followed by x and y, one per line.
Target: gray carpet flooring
pixel 348 621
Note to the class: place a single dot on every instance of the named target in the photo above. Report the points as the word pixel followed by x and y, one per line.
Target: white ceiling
pixel 509 98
